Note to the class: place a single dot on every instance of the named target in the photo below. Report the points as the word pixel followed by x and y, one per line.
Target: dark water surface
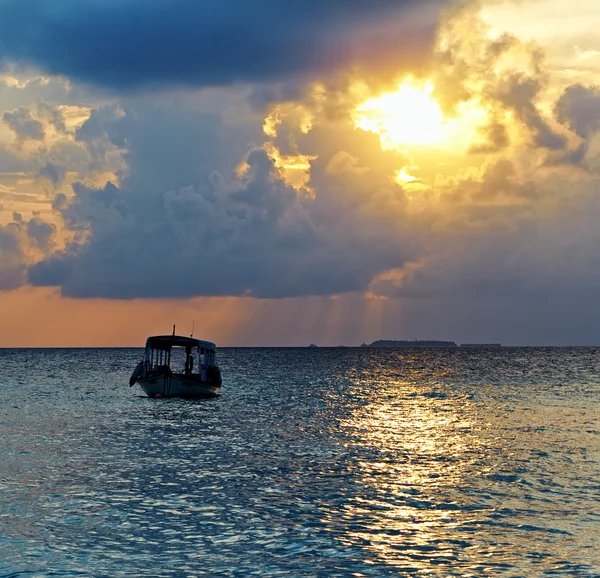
pixel 312 462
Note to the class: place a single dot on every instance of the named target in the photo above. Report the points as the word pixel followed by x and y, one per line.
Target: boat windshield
pixel 178 359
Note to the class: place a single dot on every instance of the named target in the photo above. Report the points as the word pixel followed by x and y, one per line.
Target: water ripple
pixel 340 462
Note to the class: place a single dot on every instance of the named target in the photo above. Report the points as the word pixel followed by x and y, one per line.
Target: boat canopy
pixel 167 342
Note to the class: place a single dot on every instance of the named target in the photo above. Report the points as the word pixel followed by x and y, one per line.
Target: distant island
pixel 425 343
pixel 416 343
pixel 394 343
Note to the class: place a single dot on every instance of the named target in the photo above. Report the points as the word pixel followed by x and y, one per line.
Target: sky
pixel 280 174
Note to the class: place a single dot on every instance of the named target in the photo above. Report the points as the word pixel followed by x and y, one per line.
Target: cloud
pixel 579 108
pixel 534 259
pixel 13 269
pixel 9 163
pixel 512 240
pixel 19 241
pixel 41 233
pixel 51 114
pixel 23 124
pixel 54 173
pixel 496 138
pixel 182 206
pixel 519 93
pixel 182 220
pixel 126 44
pixel 166 147
pixel 31 122
pixel 255 237
pixel 504 75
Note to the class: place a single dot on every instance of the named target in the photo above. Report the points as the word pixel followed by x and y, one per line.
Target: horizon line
pixel 466 346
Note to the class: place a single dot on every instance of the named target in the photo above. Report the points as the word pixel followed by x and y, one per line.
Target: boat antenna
pixel 173 329
pixel 192 334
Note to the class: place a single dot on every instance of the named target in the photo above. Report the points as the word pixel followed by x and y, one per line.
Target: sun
pixel 409 116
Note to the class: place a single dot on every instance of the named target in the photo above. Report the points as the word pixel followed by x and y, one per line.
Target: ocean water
pixel 311 462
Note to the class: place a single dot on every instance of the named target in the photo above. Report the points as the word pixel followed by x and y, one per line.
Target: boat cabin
pixel 180 355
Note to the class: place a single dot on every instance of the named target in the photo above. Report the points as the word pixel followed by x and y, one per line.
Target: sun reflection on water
pixel 419 444
pixel 449 479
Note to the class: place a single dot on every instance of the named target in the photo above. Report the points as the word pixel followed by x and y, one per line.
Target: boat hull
pixel 177 386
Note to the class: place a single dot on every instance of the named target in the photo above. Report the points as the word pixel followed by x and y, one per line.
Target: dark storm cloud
pixel 125 44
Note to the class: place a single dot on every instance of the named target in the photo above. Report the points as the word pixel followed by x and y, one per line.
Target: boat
pixel 198 374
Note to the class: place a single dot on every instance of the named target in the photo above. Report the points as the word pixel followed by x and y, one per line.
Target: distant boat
pixel 312 345
pixel 156 378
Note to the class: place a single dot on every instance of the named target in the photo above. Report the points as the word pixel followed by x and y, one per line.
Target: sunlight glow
pixel 404 177
pixel 409 116
pixel 295 169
